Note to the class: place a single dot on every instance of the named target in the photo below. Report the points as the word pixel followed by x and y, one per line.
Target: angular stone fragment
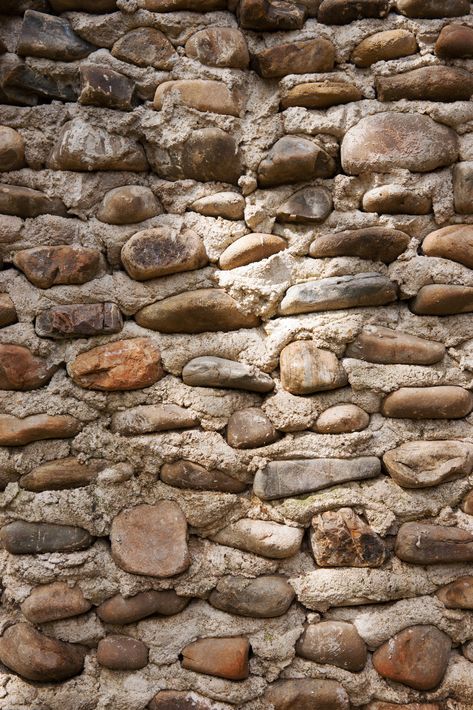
pixel 442 300
pixel 249 429
pixel 122 365
pixel 374 243
pixel 419 464
pixel 304 57
pixel 128 610
pixel 51 266
pixel 61 474
pixel 209 371
pixel 386 141
pixel 383 46
pixel 15 431
pixel 441 402
pixel 211 154
pixel 340 538
pixel 205 310
pixel 179 700
pixel 337 643
pixel 161 251
pixel 455 41
pixel 342 12
pixel 426 544
pixel 417 657
pixel 395 199
pixel 342 419
pixel 221 657
pixel 151 540
pixel 23 85
pixel 306 368
pixel 21 370
pixel 97 6
pixel 307 694
pixel 388 347
pixel 145 47
pixel 463 187
pixel 8 313
pixel 251 248
pixel 270 15
pixel 430 9
pixel 44 35
pixel 122 653
pixel 261 537
pixel 25 202
pixel 187 474
pixel 282 479
pixel 337 292
pixel 50 602
pixel 292 159
pixel 457 594
pixel 128 205
pixel 219 47
pixel 200 94
pixel 229 205
pixel 102 86
pixel 148 418
pixel 263 598
pixel 307 206
pixel 37 657
pixel 321 94
pixel 79 320
pixel 437 83
pixel 24 538
pixel 12 149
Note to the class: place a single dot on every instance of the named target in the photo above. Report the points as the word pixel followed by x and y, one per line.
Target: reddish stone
pixel 221 657
pixel 455 41
pixel 51 266
pixel 187 474
pixel 25 202
pixel 61 474
pixel 178 700
pixel 21 370
pixel 441 402
pixel 307 694
pixel 427 544
pixel 15 431
pixel 129 610
pixel 457 594
pixel 79 320
pixel 122 653
pixel 50 602
pixel 8 314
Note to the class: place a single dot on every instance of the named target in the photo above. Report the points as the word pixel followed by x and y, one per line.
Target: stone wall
pixel 236 354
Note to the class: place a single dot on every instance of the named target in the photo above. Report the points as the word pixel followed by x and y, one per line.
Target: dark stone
pixel 454 42
pixel 51 266
pixel 102 86
pixel 211 154
pixel 145 47
pixel 430 9
pixel 61 474
pixel 187 474
pixel 304 57
pixel 79 320
pixel 307 694
pixel 458 594
pixel 128 610
pixel 271 15
pixel 292 159
pixel 24 538
pixel 25 202
pixel 21 370
pixel 263 598
pixel 24 85
pixel 19 7
pixel 8 314
pixel 337 643
pixel 374 243
pixel 122 653
pixel 50 37
pixel 97 6
pixel 342 12
pixel 426 544
pixel 342 539
pixel 437 83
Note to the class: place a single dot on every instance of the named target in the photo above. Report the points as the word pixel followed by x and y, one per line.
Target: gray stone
pixel 148 418
pixel 307 206
pixel 24 538
pixel 50 37
pixel 419 464
pixel 79 320
pixel 209 371
pixel 261 537
pixel 262 598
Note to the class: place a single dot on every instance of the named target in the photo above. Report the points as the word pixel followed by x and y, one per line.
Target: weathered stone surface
pixel 25 202
pixel 302 693
pixel 442 300
pixel 304 57
pixel 15 431
pixel 200 94
pixel 61 474
pixel 44 35
pixel 128 205
pixel 179 700
pixel 467 503
pixel 261 537
pixel 417 657
pixel 457 594
pixel 151 540
pixel 430 9
pixel 129 610
pixel 463 187
pixel 97 6
pixel 442 402
pixel 122 653
pixel 12 149
pixel 148 418
pixel 337 292
pixel 23 85
pixel 209 371
pixel 292 159
pixel 210 154
pixel 387 141
pixel 219 47
pixel 205 310
pixel 337 643
pixel 454 41
pixel 249 429
pixel 342 419
pixel 102 86
pixel 270 15
pixel 342 12
pixel 263 597
pixel 221 657
pixel 187 474
pixel 122 365
pixel 145 47
pixel 374 243
pixel 426 544
pixel 281 479
pixel 37 657
pixel 229 205
pixel 321 94
pixel 387 346
pixel 24 538
pixel 79 320
pixel 340 538
pixel 383 46
pixel 51 266
pixel 307 206
pixel 8 313
pixel 437 83
pixel 395 199
pixel 418 464
pixel 21 370
pixel 50 602
pixel 162 250
pixel 306 368
pixel 251 248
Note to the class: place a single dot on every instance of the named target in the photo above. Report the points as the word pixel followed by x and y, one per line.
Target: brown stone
pixel 18 7
pixel 211 154
pixel 307 206
pixel 307 694
pixel 457 594
pixel 251 248
pixel 151 540
pixel 261 537
pixel 389 347
pixel 463 187
pixel 200 94
pixel 102 86
pixel 403 706
pixel 306 368
pixel 122 653
pixel 79 320
pixel 395 199
pixel 25 202
pixel 435 83
pixel 145 47
pixel 417 657
pixel 321 94
pixel 337 643
pixel 304 57
pixel 270 15
pixel 262 598
pixel 219 47
pixel 128 205
pixel 467 503
pixel 23 85
pixel 8 314
pixel 342 419
pixel 148 418
pixel 292 159
pixel 44 35
pixel 61 474
pixel 201 311
pixel 229 205
pixel 98 6
pixel 21 370
pixel 15 431
pixel 342 12
pixel 50 602
pixel 24 538
pixel 221 657
pixel 442 300
pixel 342 539
pixel 426 544
pixel 419 464
pixel 430 9
pixel 441 402
pixel 51 266
pixel 37 657
pixel 191 5
pixel 374 243
pixel 12 149
pixel 122 365
pixel 455 41
pixel 187 474
pixel 128 610
pixel 383 46
pixel 161 251
pixel 179 700
pixel 249 429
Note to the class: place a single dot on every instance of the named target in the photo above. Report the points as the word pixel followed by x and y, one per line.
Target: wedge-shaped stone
pixel 383 46
pixel 374 243
pixel 61 474
pixel 292 159
pixel 229 205
pixel 321 94
pixel 249 429
pixel 395 199
pixel 261 537
pixel 426 544
pixel 222 657
pixel 50 602
pixel 301 692
pixel 340 538
pixel 455 41
pixel 15 431
pixel 387 346
pixel 282 479
pixel 12 149
pixel 306 368
pixel 251 248
pixel 454 242
pixel 209 371
pixel 457 594
pixel 151 540
pixel 307 206
pixel 24 538
pixel 122 653
pixel 200 94
pixel 52 266
pixel 219 47
pixel 205 310
pixel 337 643
pixel 161 251
pixel 211 154
pixel 50 37
pixel 25 202
pixel 342 419
pixel 128 610
pixel 263 598
pixel 8 314
pixel 147 418
pixel 337 292
pixel 304 57
pixel 145 47
pixel 342 12
pixel 180 700
pixel 431 9
pixel 419 464
pixel 187 474
pixel 79 320
pixel 128 205
pixel 105 87
pixel 386 141
pixel 441 402
pixel 21 370
pixel 270 15
pixel 442 300
pixel 437 83
pixel 463 187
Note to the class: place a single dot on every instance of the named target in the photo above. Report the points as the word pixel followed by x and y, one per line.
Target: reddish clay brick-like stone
pixel 221 657
pixel 79 320
pixel 122 653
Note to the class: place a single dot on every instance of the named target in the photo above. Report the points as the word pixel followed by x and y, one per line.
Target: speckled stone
pixel 161 251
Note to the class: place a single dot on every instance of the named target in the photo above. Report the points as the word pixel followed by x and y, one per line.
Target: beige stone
pixel 50 602
pixel 342 419
pixel 251 248
pixel 419 464
pixel 306 369
pixel 161 251
pixel 454 242
pixel 128 610
pixel 147 418
pixel 229 205
pixel 200 94
pixel 395 199
pixel 383 46
pixel 388 346
pixel 261 537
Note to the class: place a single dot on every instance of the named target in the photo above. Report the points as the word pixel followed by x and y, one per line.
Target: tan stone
pixel 61 474
pixel 383 46
pixel 301 693
pixel 12 149
pixel 455 41
pixel 17 431
pixel 200 94
pixel 187 474
pixel 337 643
pixel 434 83
pixel 161 251
pixel 457 594
pixel 21 370
pixel 304 57
pixel 395 199
pixel 292 159
pixel 262 598
pixel 321 94
pixel 128 610
pixel 261 537
pixel 8 314
pixel 342 419
pixel 221 657
pixel 341 12
pixel 342 539
pixel 229 205
pixel 148 418
pixel 442 300
pixel 374 243
pixel 51 266
pixel 219 47
pixel 145 47
pixel 419 464
pixel 249 429
pixel 454 242
pixel 122 653
pixel 128 205
pixel 50 602
pixel 428 544
pixel 387 346
pixel 441 402
pixel 251 248
pixel 306 368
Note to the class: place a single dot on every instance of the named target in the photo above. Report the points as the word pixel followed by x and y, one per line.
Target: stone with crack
pixel 420 464
pixel 342 539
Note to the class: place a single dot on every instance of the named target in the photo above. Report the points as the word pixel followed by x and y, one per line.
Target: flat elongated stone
pixel 161 251
pixel 176 5
pixel 145 47
pixel 102 86
pixel 187 474
pixel 383 46
pixel 129 610
pixel 122 365
pixel 128 205
pixel 12 149
pixel 337 292
pixel 417 657
pixel 8 314
pixel 425 544
pixel 395 199
pixel 306 368
pixel 251 248
pixel 219 47
pixel 307 206
pixel 37 657
pixel 15 431
pixel 342 12
pixel 221 657
pixel 97 6
pixel 387 346
pixel 211 154
pixel 437 83
pixel 21 370
pixel 229 205
pixel 442 300
pixel 61 474
pixel 200 94
pixel 79 320
pixel 179 700
pixel 386 141
pixel 263 598
pixel 261 537
pixel 205 310
pixel 50 602
pixel 454 41
pixel 431 9
pixel 292 159
pixel 148 418
pixel 335 642
pixel 442 402
pixel 18 7
pixel 375 243
pixel 122 653
pixel 342 419
pixel 457 594
pixel 321 94
pixel 209 371
pixel 307 694
pixel 249 429
pixel 25 202
pixel 151 540
pixel 282 479
pixel 44 35
pixel 418 464
pixel 463 187
pixel 24 538
pixel 342 539
pixel 404 706
pixel 270 15
pixel 51 266
pixel 304 57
